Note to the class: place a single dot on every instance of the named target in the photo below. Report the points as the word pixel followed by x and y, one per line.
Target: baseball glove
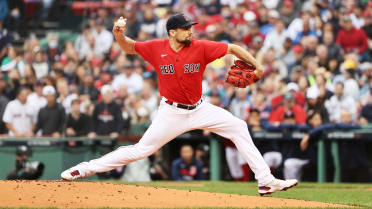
pixel 242 74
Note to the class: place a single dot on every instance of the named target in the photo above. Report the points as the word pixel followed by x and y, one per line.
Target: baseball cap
pixel 106 89
pixel 47 90
pixel 178 21
pixel 349 64
pixel 287 3
pixel 292 86
pixel 298 49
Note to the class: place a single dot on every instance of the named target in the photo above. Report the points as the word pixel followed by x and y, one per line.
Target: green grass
pixel 359 195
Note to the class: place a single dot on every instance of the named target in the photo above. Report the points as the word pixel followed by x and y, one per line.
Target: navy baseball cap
pixel 178 21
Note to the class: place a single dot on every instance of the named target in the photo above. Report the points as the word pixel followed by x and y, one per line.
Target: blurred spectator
pixel 3 103
pixel 64 96
pixel 366 112
pixel 338 102
pixel 129 78
pixel 87 87
pixel 78 124
pixel 103 39
pixel 24 169
pixel 149 99
pixel 36 98
pixel 289 108
pixel 53 51
pixel 352 39
pixel 107 119
pixel 51 118
pixel 158 168
pixel 202 155
pixel 268 149
pixel 240 105
pixel 138 171
pixel 275 39
pixel 314 104
pixel 20 116
pixel 187 168
pixel 84 43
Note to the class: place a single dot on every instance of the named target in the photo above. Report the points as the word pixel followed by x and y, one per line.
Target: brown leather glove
pixel 242 74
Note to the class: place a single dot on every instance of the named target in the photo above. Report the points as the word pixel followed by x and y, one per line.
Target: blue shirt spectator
pixel 187 168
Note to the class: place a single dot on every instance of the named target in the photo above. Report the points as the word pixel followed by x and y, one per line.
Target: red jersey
pixel 180 74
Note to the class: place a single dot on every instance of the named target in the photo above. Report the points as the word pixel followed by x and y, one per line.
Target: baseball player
pixel 180 62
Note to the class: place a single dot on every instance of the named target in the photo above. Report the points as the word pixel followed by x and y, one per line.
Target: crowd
pixel 317 73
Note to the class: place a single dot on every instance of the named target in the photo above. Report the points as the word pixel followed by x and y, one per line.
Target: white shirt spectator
pixel 240 108
pixel 41 69
pixel 21 116
pixel 335 107
pixel 134 82
pixel 103 42
pixel 274 40
pixel 296 26
pixel 351 88
pixel 36 101
pixel 82 46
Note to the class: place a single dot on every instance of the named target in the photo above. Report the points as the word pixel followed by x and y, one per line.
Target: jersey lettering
pixel 166 69
pixel 191 68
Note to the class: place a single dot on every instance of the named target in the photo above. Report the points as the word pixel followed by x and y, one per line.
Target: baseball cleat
pixel 277 185
pixel 70 175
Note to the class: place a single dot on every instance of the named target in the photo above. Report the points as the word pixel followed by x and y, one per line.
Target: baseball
pixel 121 22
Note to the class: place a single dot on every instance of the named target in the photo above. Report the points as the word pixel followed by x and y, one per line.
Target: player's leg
pixel 223 123
pixel 168 124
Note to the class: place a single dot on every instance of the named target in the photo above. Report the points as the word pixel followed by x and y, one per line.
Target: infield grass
pixel 359 195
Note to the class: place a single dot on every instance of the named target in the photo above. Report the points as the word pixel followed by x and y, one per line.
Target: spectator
pixel 107 119
pixel 353 40
pixel 103 39
pixel 275 39
pixel 240 105
pixel 158 168
pixel 20 116
pixel 268 149
pixel 51 118
pixel 87 87
pixel 36 98
pixel 338 102
pixel 78 124
pixel 202 155
pixel 187 168
pixel 129 78
pixel 366 112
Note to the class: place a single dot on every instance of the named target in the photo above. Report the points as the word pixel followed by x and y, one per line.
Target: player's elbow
pixel 232 48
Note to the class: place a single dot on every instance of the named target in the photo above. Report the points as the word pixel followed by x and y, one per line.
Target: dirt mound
pixel 97 194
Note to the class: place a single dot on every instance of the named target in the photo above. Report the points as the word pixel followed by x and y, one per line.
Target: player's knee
pixel 143 151
pixel 241 124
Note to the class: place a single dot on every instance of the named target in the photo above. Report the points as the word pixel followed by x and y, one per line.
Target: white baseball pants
pixel 171 122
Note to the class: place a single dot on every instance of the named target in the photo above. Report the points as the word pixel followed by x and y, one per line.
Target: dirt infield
pixel 97 194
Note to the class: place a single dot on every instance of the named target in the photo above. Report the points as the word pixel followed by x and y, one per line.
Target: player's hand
pixel 119 27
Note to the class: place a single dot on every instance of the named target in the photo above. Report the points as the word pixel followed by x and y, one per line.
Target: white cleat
pixel 70 175
pixel 277 185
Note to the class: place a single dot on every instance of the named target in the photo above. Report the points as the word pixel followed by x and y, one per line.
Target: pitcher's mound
pixel 97 195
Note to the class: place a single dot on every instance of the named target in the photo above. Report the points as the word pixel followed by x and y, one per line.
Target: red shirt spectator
pixel 352 39
pixel 289 106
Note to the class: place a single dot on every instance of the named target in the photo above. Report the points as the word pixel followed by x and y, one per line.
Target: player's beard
pixel 185 42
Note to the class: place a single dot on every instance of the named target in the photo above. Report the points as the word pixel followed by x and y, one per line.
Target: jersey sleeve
pixel 214 50
pixel 147 49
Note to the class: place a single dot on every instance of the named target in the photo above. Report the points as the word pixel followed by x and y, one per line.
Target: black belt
pixel 182 106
